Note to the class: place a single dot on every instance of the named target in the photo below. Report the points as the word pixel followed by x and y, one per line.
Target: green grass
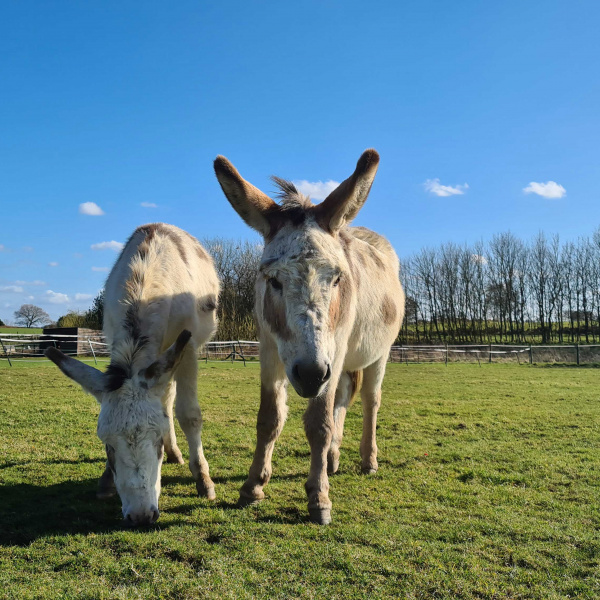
pixel 14 330
pixel 488 487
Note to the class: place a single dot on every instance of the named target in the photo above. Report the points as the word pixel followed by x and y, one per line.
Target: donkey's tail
pixel 356 379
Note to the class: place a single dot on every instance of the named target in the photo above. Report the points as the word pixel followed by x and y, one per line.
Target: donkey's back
pixel 166 280
pixel 379 296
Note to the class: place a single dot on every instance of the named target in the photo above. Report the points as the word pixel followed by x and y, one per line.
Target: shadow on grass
pixel 30 512
pixel 54 461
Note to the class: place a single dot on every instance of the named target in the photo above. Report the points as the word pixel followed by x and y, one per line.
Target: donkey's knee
pixel 190 418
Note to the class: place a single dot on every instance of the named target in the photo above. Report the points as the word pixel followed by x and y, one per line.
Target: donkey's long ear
pixel 90 379
pixel 343 204
pixel 249 202
pixel 166 362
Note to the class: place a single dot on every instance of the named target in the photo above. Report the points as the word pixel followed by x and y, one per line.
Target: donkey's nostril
pixel 310 376
pixel 155 515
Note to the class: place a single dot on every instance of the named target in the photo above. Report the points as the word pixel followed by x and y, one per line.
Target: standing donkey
pixel 329 305
pixel 160 305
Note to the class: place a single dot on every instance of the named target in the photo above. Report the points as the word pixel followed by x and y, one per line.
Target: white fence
pixel 30 347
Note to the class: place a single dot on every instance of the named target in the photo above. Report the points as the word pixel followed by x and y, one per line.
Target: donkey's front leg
pixel 271 417
pixel 189 416
pixel 318 424
pixel 170 440
pixel 106 484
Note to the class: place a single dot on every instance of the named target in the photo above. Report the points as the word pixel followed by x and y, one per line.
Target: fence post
pixel 490 359
pixel 92 349
pixel 530 355
pixel 5 352
pixel 577 352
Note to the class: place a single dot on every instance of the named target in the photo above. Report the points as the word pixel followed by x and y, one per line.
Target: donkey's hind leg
pixel 189 416
pixel 371 400
pixel 345 393
pixel 171 449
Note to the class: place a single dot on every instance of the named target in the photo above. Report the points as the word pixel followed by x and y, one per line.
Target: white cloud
pixel 101 269
pixel 477 258
pixel 148 205
pixel 435 187
pixel 550 189
pixel 116 246
pixel 53 264
pixel 13 289
pixel 90 208
pixel 29 297
pixel 56 297
pixel 34 282
pixel 317 190
pixel 81 297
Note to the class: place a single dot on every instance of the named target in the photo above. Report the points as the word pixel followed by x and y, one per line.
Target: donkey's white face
pixel 305 287
pixel 301 291
pixel 132 424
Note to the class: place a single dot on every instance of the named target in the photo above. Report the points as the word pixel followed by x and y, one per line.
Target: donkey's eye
pixel 336 281
pixel 276 285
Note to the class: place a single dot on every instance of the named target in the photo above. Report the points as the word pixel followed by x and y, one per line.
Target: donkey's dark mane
pixel 289 196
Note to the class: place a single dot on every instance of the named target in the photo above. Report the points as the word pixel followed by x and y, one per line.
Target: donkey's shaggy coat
pixel 160 305
pixel 329 305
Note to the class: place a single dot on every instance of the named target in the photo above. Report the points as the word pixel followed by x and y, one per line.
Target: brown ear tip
pixel 370 156
pixel 222 165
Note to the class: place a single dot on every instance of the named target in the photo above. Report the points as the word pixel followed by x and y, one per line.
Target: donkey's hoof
pixel 205 491
pixel 175 459
pixel 320 516
pixel 244 501
pixel 106 493
pixel 332 465
pixel 369 471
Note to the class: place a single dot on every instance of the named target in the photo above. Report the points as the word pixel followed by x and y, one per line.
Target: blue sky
pixel 123 103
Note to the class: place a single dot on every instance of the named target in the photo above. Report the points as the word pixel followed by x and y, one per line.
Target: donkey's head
pixel 305 292
pixel 131 423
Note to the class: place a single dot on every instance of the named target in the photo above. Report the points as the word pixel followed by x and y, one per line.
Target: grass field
pixel 488 487
pixel 6 331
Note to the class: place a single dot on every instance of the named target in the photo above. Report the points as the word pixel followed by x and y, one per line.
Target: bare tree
pixel 30 315
pixel 237 264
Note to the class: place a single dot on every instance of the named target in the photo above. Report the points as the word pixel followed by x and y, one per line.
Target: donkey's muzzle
pixel 147 517
pixel 308 377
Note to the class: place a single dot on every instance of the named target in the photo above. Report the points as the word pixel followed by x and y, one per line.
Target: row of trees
pixel 506 290
pixel 503 291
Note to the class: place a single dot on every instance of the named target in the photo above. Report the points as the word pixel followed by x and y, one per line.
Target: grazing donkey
pixel 160 305
pixel 329 305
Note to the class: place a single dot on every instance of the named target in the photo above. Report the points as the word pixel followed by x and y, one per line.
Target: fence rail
pixel 30 347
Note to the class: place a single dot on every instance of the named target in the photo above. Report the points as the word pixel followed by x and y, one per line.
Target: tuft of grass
pixel 488 487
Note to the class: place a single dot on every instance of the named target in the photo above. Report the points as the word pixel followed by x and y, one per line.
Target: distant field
pixel 489 487
pixel 13 330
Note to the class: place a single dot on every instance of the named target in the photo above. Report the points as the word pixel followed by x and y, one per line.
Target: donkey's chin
pixel 308 391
